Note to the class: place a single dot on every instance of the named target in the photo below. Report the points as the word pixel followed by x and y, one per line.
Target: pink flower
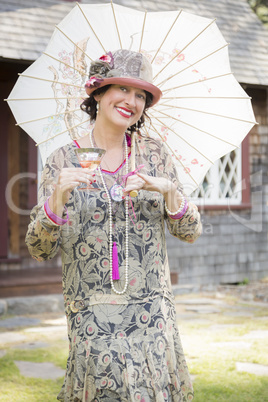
pixel 181 57
pixel 108 58
pixel 93 82
pixel 159 60
pixel 105 58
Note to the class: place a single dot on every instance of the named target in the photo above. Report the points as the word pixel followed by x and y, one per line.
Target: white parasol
pixel 204 112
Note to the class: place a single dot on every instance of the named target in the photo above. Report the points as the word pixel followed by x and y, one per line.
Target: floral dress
pixel 121 347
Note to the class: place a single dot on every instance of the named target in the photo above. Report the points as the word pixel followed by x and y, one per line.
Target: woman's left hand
pixel 143 181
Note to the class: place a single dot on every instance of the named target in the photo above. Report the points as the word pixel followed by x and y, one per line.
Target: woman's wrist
pixel 55 209
pixel 56 203
pixel 175 203
pixel 179 213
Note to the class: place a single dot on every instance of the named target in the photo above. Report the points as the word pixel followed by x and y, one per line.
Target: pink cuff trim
pixel 180 215
pixel 53 217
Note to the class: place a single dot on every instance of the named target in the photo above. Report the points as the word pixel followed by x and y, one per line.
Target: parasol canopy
pixel 204 113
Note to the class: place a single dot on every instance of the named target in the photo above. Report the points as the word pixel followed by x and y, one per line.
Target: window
pixel 222 184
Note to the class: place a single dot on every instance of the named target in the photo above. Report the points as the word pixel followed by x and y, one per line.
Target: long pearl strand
pixel 111 227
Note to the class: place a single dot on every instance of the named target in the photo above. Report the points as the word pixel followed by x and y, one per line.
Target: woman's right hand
pixel 68 179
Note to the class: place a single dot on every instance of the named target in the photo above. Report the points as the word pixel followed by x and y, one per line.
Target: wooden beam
pixel 32 168
pixel 13 169
pixel 4 113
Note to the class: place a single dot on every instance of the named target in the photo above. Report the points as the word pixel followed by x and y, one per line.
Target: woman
pixel 124 342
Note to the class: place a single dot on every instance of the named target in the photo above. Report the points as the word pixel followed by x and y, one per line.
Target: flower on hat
pixel 108 58
pixel 93 82
pixel 101 67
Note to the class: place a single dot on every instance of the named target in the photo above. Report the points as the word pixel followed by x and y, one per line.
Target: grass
pixel 218 380
pixel 14 387
pixel 213 367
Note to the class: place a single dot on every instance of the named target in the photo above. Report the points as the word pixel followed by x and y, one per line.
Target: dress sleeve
pixel 43 237
pixel 188 228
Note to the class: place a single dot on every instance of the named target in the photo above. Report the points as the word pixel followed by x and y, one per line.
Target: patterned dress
pixel 121 347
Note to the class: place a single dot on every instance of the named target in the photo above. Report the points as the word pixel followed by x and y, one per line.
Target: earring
pixel 97 108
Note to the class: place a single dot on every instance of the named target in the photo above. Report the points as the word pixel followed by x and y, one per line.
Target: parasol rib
pixel 62 132
pixel 78 47
pixel 158 50
pixel 188 44
pixel 96 36
pixel 35 99
pixel 191 65
pixel 46 117
pixel 184 140
pixel 146 131
pixel 143 27
pixel 198 129
pixel 66 64
pixel 210 113
pixel 197 82
pixel 187 124
pixel 173 153
pixel 117 30
pixel 56 82
pixel 146 128
pixel 207 97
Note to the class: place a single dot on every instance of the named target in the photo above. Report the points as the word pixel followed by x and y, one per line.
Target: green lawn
pixel 214 366
pixel 14 387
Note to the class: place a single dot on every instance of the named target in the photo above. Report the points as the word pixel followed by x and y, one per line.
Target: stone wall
pixel 234 243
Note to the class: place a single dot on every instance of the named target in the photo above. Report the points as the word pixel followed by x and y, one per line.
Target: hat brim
pixel 131 82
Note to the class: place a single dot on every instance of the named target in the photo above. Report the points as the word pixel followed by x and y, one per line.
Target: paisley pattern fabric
pixel 122 347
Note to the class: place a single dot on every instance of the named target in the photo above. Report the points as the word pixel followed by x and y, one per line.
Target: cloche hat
pixel 123 67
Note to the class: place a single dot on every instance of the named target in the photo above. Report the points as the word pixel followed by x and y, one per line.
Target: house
pixel 234 242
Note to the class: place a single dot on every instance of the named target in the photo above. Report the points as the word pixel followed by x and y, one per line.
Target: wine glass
pixel 89 158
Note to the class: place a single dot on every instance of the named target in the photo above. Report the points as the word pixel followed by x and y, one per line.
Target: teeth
pixel 124 111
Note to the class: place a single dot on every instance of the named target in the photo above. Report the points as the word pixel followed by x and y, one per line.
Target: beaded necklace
pixel 114 275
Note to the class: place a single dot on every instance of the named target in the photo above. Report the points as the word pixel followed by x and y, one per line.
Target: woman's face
pixel 121 105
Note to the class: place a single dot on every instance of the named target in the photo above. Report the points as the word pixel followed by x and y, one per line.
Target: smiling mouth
pixel 124 112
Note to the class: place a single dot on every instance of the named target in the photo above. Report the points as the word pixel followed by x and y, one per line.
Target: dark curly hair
pixel 89 105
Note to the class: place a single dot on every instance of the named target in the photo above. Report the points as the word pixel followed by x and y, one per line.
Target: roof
pixel 25 29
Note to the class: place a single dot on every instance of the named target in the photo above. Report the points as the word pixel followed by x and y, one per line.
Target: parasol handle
pixel 133 193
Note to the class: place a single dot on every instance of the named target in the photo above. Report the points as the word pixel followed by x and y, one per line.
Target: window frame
pixel 245 182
